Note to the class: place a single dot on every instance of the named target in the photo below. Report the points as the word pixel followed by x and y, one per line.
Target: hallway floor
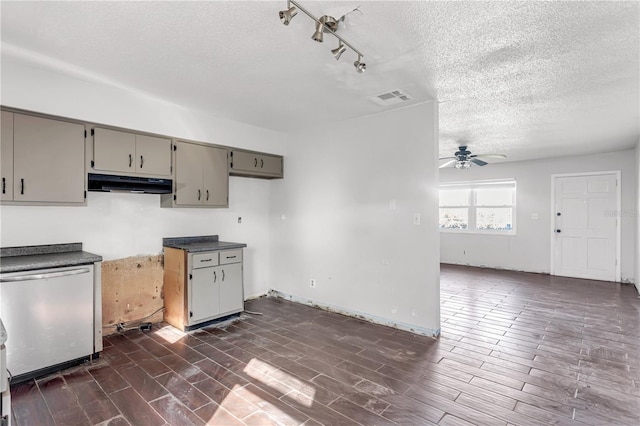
pixel 516 348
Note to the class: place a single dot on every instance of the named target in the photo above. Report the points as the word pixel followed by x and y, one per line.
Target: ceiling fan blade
pixel 478 162
pixel 447 158
pixel 489 156
pixel 448 163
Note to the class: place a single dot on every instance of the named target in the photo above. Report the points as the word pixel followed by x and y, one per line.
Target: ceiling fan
pixel 463 159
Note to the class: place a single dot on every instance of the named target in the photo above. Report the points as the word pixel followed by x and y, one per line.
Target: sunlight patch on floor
pixel 281 381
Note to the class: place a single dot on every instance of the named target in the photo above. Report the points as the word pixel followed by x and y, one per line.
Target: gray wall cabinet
pixel 118 152
pixel 42 160
pixel 201 177
pixel 255 164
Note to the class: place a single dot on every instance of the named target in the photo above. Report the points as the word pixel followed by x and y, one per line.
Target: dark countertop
pixel 200 244
pixel 27 258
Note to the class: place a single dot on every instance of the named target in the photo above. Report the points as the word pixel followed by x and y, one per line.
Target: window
pixel 479 207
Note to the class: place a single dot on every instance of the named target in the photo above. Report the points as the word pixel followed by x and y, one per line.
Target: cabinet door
pixel 6 156
pixel 153 155
pixel 48 160
pixel 231 293
pixel 203 294
pixel 270 165
pixel 114 151
pixel 216 177
pixel 246 161
pixel 189 175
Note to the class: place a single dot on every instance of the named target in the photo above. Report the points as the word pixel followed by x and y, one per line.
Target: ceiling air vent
pixel 392 97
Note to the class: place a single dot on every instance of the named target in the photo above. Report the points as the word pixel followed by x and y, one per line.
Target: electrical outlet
pixel 312 282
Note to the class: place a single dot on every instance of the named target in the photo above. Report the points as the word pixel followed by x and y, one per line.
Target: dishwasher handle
pixel 44 276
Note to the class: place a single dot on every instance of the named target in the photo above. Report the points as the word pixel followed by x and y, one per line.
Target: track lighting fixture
pixel 338 51
pixel 287 15
pixel 324 24
pixel 360 66
pixel 317 36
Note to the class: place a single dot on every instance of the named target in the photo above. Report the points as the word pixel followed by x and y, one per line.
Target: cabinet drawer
pixel 230 256
pixel 204 260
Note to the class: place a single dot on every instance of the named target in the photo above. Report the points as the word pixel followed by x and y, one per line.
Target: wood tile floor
pixel 516 348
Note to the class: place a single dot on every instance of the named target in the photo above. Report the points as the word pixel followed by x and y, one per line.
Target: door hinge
pixel 190 276
pixel 174 197
pixel 85 133
pixel 85 194
pixel 190 314
pixel 232 163
pixel 93 164
pixel 175 147
pixel 93 132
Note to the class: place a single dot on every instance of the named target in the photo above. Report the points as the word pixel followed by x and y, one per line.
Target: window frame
pixel 472 205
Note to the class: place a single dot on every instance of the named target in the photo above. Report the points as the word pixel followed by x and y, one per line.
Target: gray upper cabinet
pixel 115 151
pixel 42 160
pixel 6 156
pixel 255 164
pixel 201 177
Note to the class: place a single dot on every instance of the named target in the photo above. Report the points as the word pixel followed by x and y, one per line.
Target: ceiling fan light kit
pixel 324 24
pixel 463 159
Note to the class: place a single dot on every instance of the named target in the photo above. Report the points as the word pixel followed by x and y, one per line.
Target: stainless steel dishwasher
pixel 49 314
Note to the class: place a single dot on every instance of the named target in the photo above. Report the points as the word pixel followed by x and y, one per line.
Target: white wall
pixel 637 218
pixel 332 218
pixel 122 225
pixel 529 250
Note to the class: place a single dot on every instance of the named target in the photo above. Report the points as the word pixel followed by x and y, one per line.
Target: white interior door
pixel 585 218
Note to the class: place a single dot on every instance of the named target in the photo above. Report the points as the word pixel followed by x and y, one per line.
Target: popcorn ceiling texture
pixel 528 79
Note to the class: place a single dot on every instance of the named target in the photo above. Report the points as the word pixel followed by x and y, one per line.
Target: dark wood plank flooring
pixel 516 349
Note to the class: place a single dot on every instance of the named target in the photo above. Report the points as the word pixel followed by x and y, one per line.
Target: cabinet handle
pixel 207 195
pixel 206 260
pixel 223 275
pixel 261 163
pixel 255 162
pixel 215 277
pixel 130 160
pixel 4 186
pixel 198 195
pixel 21 186
pixel 141 161
pixel 231 257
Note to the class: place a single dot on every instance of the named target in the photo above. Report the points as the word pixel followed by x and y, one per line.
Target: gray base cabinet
pixel 42 160
pixel 255 164
pixel 199 287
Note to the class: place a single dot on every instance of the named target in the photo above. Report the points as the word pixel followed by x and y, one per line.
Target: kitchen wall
pixel 637 218
pixel 344 216
pixel 122 225
pixel 529 250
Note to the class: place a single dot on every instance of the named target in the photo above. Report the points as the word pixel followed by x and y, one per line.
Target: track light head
pixel 317 36
pixel 287 15
pixel 338 51
pixel 360 66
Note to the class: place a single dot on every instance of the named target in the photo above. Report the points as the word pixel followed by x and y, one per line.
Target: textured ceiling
pixel 527 79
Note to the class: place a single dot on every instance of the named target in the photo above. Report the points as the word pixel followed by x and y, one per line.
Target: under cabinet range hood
pixel 133 184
